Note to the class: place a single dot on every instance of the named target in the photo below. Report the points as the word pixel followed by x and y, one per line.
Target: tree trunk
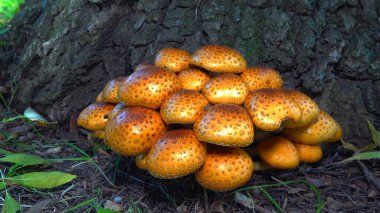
pixel 61 53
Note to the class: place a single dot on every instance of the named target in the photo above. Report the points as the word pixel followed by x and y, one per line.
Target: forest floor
pixel 105 180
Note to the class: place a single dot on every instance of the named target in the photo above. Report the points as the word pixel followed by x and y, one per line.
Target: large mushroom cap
pixel 193 79
pixel 219 59
pixel 183 107
pixel 95 116
pixel 173 59
pixel 309 153
pixel 226 125
pixel 226 89
pixel 142 66
pixel 110 90
pixel 176 154
pixel 225 169
pixel 118 108
pixel 270 107
pixel 148 88
pixel 324 129
pixel 134 130
pixel 261 77
pixel 278 152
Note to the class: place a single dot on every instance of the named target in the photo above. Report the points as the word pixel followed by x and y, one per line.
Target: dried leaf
pixel 217 206
pixel 244 200
pixel 38 207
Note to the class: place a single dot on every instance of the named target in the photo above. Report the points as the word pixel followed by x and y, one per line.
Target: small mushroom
pixel 278 152
pixel 193 79
pixel 134 130
pixel 95 116
pixel 226 89
pixel 177 154
pixel 183 107
pixel 309 153
pixel 261 77
pixel 226 125
pixel 110 90
pixel 140 161
pixel 99 134
pixel 173 59
pixel 219 59
pixel 225 169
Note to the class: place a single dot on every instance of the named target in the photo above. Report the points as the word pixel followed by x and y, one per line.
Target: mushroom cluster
pixel 207 113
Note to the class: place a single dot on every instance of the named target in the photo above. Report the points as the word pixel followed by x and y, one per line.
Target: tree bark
pixel 61 53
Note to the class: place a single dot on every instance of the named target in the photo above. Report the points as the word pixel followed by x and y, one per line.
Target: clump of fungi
pixel 177 120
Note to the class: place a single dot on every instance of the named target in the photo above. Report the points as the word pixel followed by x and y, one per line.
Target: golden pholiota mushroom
pixel 142 66
pixel 95 116
pixel 140 161
pixel 178 153
pixel 261 77
pixel 183 107
pixel 148 88
pixel 99 134
pixel 226 125
pixel 134 130
pixel 225 169
pixel 219 59
pixel 226 89
pixel 309 153
pixel 118 107
pixel 172 59
pixel 99 97
pixel 111 88
pixel 193 79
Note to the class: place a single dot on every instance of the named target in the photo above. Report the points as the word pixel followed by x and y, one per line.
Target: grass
pixel 8 9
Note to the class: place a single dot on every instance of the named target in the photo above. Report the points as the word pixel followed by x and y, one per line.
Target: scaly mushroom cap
pixel 183 107
pixel 226 125
pixel 219 59
pixel 226 89
pixel 99 134
pixel 309 108
pixel 110 90
pixel 95 116
pixel 134 130
pixel 99 97
pixel 140 161
pixel 337 135
pixel 225 169
pixel 324 129
pixel 193 79
pixel 309 153
pixel 148 88
pixel 270 107
pixel 173 59
pixel 178 153
pixel 116 110
pixel 142 66
pixel 261 77
pixel 278 152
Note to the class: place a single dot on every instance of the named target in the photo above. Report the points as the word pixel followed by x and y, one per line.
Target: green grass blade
pixel 374 133
pixel 272 200
pixel 363 156
pixel 10 204
pixel 84 203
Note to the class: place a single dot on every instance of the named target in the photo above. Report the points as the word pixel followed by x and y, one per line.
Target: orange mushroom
pixel 111 88
pixel 193 79
pixel 99 134
pixel 262 77
pixel 142 66
pixel 95 116
pixel 173 59
pixel 309 153
pixel 99 97
pixel 140 161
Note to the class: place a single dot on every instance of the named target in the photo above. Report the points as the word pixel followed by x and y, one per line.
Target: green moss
pixel 8 9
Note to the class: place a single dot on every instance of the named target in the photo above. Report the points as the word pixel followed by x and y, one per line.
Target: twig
pixel 374 180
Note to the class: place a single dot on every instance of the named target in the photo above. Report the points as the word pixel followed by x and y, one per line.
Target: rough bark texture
pixel 61 53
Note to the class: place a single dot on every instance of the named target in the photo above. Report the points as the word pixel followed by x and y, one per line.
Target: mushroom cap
pixel 309 108
pixel 140 161
pixel 219 59
pixel 226 89
pixel 270 107
pixel 262 77
pixel 324 129
pixel 118 107
pixel 278 152
pixel 193 79
pixel 183 107
pixel 142 66
pixel 148 87
pixel 337 135
pixel 172 59
pixel 225 169
pixel 99 97
pixel 95 116
pixel 309 153
pixel 177 153
pixel 134 130
pixel 226 125
pixel 99 134
pixel 110 90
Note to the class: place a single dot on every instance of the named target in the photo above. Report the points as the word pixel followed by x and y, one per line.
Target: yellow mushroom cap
pixel 219 59
pixel 337 135
pixel 173 59
pixel 140 161
pixel 226 89
pixel 148 88
pixel 193 79
pixel 99 97
pixel 178 153
pixel 226 125
pixel 95 116
pixel 309 153
pixel 261 77
pixel 309 108
pixel 225 169
pixel 99 134
pixel 116 110
pixel 324 129
pixel 278 152
pixel 183 107
pixel 134 130
pixel 270 107
pixel 110 90
pixel 142 66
